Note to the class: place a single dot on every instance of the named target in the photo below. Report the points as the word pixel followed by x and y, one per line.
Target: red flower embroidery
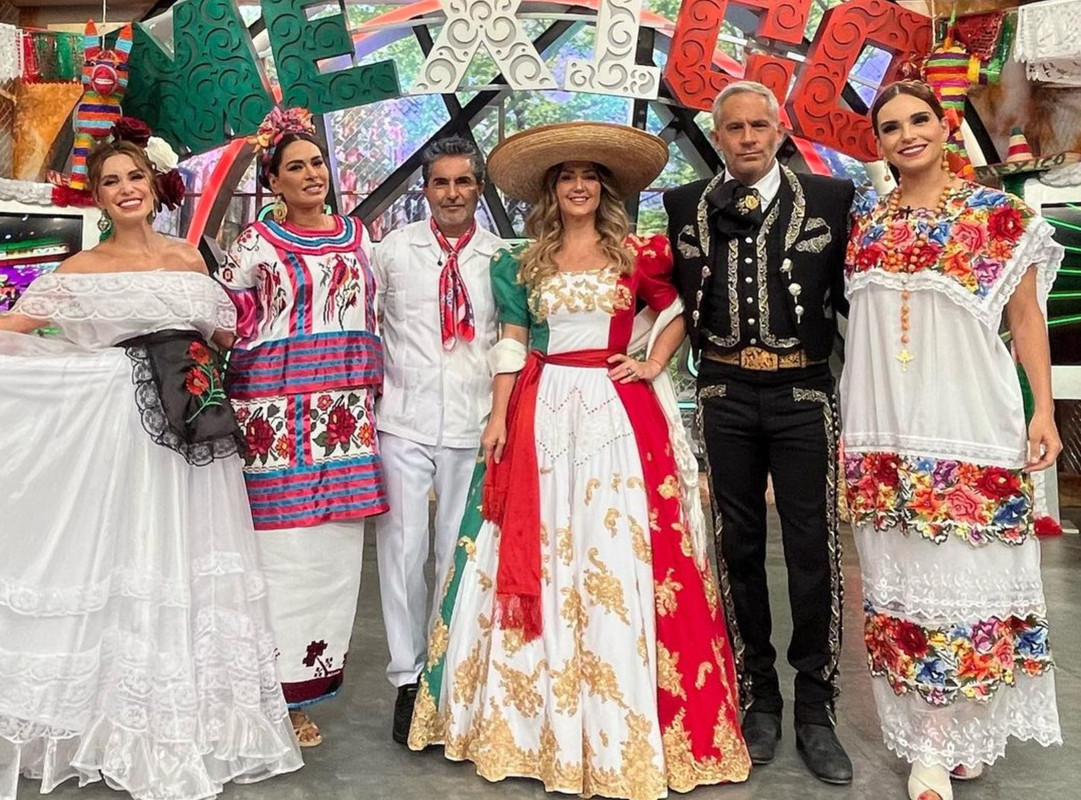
pixel 911 639
pixel 242 414
pixel 998 483
pixel 1006 222
pixel 197 382
pixel 886 471
pixel 869 257
pixel 259 435
pixel 324 402
pixel 341 425
pixel 315 650
pixel 199 353
pixel 284 447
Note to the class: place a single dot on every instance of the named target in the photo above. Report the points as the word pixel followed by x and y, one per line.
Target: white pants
pixel 412 470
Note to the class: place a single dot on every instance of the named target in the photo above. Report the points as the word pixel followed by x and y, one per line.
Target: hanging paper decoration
pixel 979 33
pixel 31 72
pixel 68 57
pixel 1049 41
pixel 105 79
pixel 9 53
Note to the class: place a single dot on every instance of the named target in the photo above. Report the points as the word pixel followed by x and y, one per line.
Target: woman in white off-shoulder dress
pixel 134 639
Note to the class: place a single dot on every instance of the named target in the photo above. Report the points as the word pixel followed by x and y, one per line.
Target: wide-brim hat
pixel 518 164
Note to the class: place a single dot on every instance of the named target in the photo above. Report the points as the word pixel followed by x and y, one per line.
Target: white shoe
pixel 963 773
pixel 929 783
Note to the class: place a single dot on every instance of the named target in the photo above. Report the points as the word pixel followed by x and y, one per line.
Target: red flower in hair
pixel 171 189
pixel 133 130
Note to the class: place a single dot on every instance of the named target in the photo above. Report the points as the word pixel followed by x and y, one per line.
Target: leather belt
pixel 757 358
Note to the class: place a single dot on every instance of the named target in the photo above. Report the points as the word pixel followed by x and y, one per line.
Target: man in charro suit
pixel 759 256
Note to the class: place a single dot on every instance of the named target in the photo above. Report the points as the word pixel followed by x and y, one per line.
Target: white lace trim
pixel 165 718
pixel 945 594
pixel 924 447
pixel 24 599
pixel 1036 248
pixel 968 733
pixel 10 51
pixel 943 584
pixel 159 297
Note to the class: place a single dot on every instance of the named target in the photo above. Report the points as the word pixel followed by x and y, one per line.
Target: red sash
pixel 513 485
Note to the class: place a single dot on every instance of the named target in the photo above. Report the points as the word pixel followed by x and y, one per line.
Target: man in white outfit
pixel 438 324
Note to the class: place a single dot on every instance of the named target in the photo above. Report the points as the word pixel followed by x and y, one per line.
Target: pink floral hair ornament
pixel 276 125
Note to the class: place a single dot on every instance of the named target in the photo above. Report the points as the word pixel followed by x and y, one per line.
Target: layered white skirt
pixel 956 588
pixel 134 636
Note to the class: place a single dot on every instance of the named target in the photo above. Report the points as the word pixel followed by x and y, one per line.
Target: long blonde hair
pixel 544 226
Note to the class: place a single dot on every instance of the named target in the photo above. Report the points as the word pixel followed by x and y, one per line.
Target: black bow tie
pixel 740 208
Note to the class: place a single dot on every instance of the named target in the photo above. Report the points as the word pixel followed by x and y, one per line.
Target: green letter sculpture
pixel 299 43
pixel 210 89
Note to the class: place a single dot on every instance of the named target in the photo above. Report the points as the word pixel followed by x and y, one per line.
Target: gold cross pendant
pixel 904 357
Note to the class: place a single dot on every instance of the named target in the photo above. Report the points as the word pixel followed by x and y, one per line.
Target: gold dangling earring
pixel 279 210
pixel 946 160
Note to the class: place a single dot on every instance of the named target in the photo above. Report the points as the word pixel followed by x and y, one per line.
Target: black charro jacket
pixel 810 232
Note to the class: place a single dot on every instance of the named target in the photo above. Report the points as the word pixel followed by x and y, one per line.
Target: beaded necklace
pixel 911 266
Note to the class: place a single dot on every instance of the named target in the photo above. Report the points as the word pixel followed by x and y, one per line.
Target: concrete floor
pixel 358 759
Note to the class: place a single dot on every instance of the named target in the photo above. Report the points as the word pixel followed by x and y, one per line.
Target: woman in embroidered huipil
pixel 937 456
pixel 135 638
pixel 303 378
pixel 580 639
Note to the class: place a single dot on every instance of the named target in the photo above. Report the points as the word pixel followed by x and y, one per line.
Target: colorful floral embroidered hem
pixel 938 498
pixel 947 663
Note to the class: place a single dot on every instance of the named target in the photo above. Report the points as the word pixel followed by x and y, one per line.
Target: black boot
pixel 403 712
pixel 823 753
pixel 761 730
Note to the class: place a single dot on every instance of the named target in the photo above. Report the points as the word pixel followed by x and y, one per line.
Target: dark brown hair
pixel 916 89
pixel 274 163
pixel 95 162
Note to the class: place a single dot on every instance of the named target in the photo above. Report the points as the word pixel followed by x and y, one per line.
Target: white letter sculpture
pixel 612 70
pixel 471 23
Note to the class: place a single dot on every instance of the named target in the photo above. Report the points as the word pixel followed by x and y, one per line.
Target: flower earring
pixel 279 209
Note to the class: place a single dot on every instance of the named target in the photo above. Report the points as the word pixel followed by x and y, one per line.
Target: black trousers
pixel 784 424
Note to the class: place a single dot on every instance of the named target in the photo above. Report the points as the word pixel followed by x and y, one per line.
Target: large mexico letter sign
pixel 209 86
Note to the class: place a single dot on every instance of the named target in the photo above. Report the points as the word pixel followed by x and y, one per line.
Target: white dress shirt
pixel 432 396
pixel 767 186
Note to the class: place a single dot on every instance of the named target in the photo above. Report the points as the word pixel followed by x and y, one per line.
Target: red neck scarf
pixel 455 310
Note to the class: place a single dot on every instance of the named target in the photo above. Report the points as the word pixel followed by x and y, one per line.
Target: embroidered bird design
pixel 343 281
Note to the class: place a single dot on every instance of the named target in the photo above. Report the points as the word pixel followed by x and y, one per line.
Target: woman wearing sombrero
pixel 580 639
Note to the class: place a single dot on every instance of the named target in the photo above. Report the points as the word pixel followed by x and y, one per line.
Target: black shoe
pixel 823 753
pixel 761 730
pixel 403 712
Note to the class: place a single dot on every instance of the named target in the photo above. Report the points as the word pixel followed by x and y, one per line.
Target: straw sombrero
pixel 517 165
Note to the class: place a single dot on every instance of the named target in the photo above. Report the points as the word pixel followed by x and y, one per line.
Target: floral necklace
pixel 912 264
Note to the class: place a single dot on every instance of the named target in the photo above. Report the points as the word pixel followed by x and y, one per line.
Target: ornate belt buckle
pixel 758 359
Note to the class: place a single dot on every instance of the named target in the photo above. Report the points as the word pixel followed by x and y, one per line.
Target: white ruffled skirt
pixel 134 637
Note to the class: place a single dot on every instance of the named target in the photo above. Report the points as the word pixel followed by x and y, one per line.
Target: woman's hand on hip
pixel 625 369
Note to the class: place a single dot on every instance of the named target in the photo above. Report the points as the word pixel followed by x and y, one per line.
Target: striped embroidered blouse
pixel 305 371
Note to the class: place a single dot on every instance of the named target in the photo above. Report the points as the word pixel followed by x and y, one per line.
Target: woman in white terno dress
pixel 937 456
